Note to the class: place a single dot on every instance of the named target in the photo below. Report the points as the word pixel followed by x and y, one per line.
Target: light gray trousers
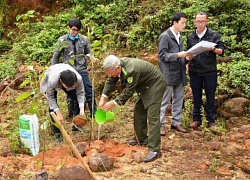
pixel 176 93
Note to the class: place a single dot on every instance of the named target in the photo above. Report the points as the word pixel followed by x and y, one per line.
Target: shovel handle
pixel 73 147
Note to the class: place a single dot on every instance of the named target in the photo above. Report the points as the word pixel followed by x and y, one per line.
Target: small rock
pixel 42 176
pixel 91 151
pixel 229 108
pixel 72 173
pixel 137 157
pixel 171 137
pixel 81 148
pixel 99 146
pixel 98 142
pixel 99 162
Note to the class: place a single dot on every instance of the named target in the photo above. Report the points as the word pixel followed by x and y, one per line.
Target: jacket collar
pixel 171 35
pixel 207 33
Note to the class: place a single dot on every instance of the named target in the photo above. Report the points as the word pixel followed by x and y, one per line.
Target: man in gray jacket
pixel 172 65
pixel 75 50
pixel 62 77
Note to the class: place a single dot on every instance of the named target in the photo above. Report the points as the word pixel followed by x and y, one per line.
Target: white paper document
pixel 201 47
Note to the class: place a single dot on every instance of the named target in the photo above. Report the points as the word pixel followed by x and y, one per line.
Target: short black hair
pixel 177 16
pixel 68 78
pixel 75 22
pixel 202 13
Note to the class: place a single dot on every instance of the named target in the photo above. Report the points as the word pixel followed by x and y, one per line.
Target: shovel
pixel 68 139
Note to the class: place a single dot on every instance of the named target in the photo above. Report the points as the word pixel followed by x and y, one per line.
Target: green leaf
pixel 96 43
pixel 30 12
pixel 32 110
pixel 18 17
pixel 24 96
pixel 45 125
pixel 71 62
pixel 34 104
pixel 24 83
pixel 64 44
pixel 96 48
pixel 43 75
pixel 107 35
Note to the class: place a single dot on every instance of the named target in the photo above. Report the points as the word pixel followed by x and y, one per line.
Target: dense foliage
pixel 130 26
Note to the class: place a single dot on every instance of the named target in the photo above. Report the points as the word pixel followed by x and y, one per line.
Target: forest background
pixel 29 31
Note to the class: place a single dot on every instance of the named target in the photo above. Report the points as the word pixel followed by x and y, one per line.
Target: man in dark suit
pixel 142 77
pixel 172 64
pixel 203 71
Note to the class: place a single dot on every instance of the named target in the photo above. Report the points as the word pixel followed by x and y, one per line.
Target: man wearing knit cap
pixel 75 50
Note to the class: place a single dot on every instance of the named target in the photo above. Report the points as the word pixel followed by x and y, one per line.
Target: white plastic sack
pixel 28 130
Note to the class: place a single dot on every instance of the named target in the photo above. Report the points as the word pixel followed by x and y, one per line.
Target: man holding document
pixel 172 64
pixel 203 46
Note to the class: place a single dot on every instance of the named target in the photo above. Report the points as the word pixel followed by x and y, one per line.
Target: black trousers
pixel 72 105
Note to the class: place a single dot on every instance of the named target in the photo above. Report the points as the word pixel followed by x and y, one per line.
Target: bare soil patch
pixel 194 155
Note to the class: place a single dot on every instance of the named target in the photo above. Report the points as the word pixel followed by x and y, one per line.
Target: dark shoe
pixel 152 156
pixel 179 128
pixel 134 142
pixel 195 124
pixel 162 131
pixel 59 138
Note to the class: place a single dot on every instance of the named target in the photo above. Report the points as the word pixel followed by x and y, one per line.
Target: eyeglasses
pixel 74 29
pixel 200 22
